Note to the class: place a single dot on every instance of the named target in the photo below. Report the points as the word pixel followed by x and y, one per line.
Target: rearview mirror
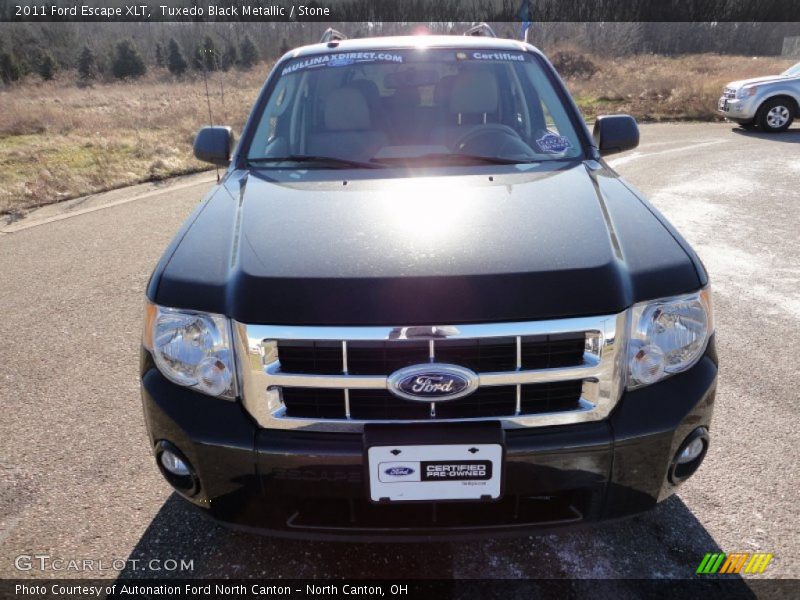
pixel 615 133
pixel 214 145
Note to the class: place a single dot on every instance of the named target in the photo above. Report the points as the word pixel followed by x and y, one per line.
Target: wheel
pixel 775 115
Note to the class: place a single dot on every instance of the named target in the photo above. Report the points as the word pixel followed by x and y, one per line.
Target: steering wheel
pixel 493 134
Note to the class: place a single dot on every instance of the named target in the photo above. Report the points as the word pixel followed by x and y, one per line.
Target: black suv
pixel 419 304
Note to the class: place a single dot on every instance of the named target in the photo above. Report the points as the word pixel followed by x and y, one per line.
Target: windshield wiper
pixel 333 162
pixel 456 156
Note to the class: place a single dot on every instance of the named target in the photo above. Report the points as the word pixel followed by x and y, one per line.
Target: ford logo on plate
pixel 399 471
pixel 432 382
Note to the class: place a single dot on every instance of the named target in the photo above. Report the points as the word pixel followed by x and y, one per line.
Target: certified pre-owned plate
pixel 435 472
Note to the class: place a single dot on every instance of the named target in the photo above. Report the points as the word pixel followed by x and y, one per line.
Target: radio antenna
pixel 203 52
pixel 218 63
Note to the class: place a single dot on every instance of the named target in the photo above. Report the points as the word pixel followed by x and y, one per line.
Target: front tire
pixel 775 115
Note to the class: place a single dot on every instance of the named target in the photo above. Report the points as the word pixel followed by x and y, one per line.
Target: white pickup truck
pixel 769 103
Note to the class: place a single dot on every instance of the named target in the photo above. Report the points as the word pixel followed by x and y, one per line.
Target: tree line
pixel 125 61
pixel 128 50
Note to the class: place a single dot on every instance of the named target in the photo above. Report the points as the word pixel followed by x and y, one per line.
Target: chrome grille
pixel 335 378
pixel 729 93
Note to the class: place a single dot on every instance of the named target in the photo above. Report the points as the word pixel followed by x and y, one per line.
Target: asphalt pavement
pixel 77 479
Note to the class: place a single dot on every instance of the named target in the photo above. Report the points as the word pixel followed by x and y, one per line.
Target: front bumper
pixel 312 485
pixel 738 109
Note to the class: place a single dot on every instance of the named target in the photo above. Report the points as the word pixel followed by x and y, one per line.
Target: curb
pixel 65 210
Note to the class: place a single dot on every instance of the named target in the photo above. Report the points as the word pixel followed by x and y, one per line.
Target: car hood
pixel 759 80
pixel 557 240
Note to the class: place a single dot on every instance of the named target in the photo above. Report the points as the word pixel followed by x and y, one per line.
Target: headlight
pixel 192 349
pixel 746 91
pixel 668 336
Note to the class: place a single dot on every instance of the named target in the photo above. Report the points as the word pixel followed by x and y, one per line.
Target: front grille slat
pixel 372 405
pixel 496 401
pixel 383 358
pixel 550 351
pixel 315 403
pixel 480 355
pixel 302 356
pixel 553 397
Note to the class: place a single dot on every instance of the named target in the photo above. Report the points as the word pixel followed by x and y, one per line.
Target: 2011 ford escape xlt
pixel 420 304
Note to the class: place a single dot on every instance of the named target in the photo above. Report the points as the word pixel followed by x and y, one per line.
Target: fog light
pixel 173 463
pixel 689 456
pixel 690 452
pixel 176 468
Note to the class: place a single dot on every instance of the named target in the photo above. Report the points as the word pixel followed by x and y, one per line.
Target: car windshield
pixel 413 107
pixel 792 71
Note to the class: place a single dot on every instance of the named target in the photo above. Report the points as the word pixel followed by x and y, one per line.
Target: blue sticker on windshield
pixel 553 144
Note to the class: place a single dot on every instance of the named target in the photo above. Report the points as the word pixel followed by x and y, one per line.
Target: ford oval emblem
pixel 432 382
pixel 399 471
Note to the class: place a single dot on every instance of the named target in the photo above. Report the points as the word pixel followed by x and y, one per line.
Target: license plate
pixel 435 472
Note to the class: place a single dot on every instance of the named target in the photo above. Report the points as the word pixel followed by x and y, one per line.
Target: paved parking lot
pixel 77 479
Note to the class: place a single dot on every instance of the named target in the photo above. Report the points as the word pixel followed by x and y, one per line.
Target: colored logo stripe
pixel 734 562
pixel 718 562
pixel 758 563
pixel 711 563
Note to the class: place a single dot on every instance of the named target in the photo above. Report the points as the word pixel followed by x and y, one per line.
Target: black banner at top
pixel 399 10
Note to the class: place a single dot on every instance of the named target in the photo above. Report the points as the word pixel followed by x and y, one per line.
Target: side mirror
pixel 615 133
pixel 214 145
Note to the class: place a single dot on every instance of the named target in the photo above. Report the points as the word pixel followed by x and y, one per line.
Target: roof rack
pixel 481 30
pixel 331 35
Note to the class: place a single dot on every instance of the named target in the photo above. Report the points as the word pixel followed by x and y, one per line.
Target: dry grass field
pixel 661 88
pixel 59 141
